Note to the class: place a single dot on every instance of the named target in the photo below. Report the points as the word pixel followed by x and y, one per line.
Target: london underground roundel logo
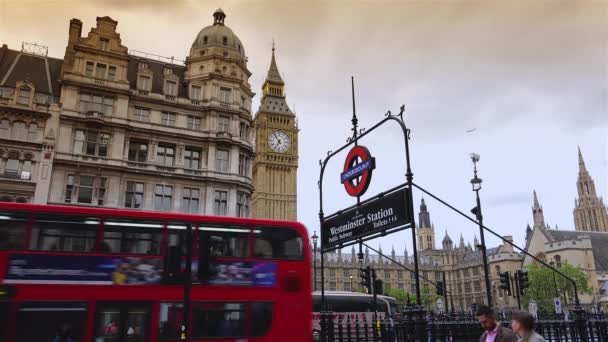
pixel 357 173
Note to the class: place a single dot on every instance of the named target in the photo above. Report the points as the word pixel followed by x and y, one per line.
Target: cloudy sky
pixel 531 77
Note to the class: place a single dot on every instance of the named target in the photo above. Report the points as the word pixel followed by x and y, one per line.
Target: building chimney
pixel 75 31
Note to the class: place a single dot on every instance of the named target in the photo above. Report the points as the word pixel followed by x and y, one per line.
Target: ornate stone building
pixel 462 266
pixel 126 130
pixel 590 212
pixel 586 247
pixel 276 160
pixel 29 109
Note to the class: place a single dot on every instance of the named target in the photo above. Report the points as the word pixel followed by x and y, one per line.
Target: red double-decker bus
pixel 101 275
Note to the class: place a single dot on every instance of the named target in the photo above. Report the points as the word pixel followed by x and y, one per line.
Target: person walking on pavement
pixel 494 332
pixel 523 325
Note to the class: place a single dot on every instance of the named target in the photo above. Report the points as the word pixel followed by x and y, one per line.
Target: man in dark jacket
pixel 494 332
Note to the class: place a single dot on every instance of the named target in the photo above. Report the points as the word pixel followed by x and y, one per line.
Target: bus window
pixel 170 320
pixel 44 321
pixel 261 318
pixel 228 242
pixel 278 243
pixel 64 233
pixel 219 320
pixel 131 237
pixel 13 230
pixel 176 235
pixel 124 321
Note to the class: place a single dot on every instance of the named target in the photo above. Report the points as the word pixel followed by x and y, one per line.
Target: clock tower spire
pixel 276 146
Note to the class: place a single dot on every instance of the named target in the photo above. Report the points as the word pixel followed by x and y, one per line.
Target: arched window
pixel 542 257
pixel 23 95
pixel 225 40
pixel 21 200
pixel 205 39
pixel 19 130
pixel 558 260
pixel 6 198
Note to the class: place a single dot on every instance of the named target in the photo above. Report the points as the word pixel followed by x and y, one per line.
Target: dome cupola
pixel 218 35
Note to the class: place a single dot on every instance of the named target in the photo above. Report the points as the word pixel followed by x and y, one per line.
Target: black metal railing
pixel 417 325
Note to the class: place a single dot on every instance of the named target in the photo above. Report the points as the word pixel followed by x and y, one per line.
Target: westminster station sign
pixel 374 216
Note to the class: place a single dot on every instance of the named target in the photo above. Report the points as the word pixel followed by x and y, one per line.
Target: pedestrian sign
pixel 558 305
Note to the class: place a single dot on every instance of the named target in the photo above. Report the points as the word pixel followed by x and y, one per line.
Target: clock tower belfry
pixel 276 147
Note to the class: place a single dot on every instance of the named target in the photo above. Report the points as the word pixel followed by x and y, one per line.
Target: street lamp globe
pixel 476 183
pixel 314 238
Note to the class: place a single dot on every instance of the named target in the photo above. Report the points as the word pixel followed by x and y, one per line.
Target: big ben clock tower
pixel 276 146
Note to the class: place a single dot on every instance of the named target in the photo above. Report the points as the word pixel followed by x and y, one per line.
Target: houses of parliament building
pixel 584 247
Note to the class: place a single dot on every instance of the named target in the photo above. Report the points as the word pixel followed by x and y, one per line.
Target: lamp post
pixel 351 283
pixel 314 253
pixel 476 184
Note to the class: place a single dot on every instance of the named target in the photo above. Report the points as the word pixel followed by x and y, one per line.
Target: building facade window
pixel 558 260
pixel 138 150
pixel 196 93
pixel 242 204
pixel 112 73
pixel 142 114
pixel 144 82
pixel 19 130
pixel 190 200
pixel 100 70
pixel 243 165
pixel 171 88
pixel 96 103
pixel 91 143
pixel 194 123
pixel 223 124
pixel 163 197
pixel 165 154
pixel 16 168
pixel 244 131
pixel 104 44
pixel 477 285
pixel 5 127
pixel 192 158
pixel 32 134
pixel 167 118
pixel 134 195
pixel 222 160
pixel 220 207
pixel 90 66
pixel 23 96
pixel 85 189
pixel 225 95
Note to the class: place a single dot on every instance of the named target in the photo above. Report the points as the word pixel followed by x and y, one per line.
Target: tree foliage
pixel 545 285
pixel 398 294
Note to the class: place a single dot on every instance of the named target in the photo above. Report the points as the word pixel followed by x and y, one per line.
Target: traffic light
pixel 505 282
pixel 522 278
pixel 439 287
pixel 366 278
pixel 378 288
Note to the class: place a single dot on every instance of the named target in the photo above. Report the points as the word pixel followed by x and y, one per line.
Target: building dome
pixel 219 35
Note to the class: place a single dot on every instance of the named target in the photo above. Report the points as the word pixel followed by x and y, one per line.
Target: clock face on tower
pixel 279 141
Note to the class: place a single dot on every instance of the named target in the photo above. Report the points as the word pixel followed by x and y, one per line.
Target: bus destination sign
pixel 376 215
